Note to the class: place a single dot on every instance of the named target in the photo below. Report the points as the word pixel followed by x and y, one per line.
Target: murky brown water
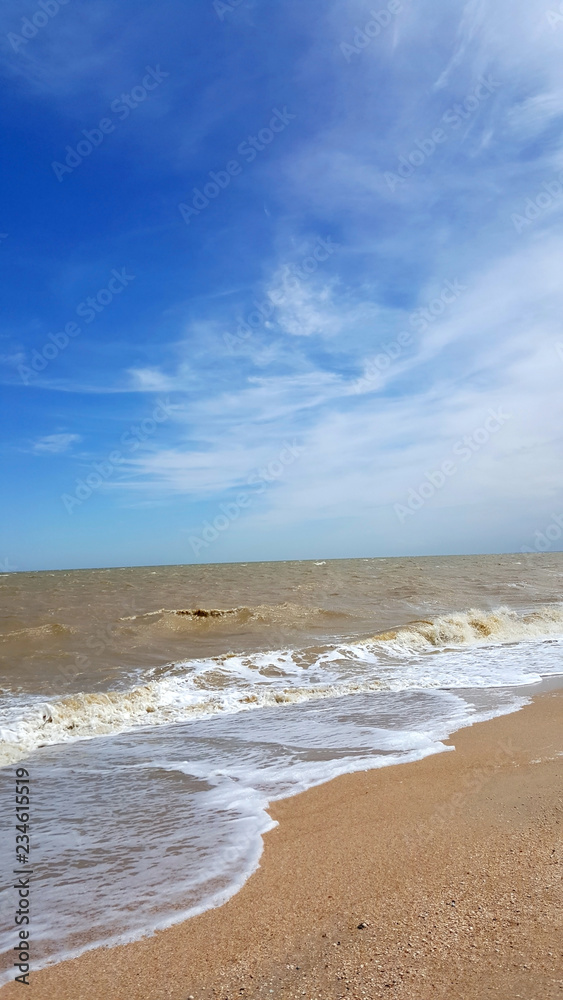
pixel 159 710
pixel 83 630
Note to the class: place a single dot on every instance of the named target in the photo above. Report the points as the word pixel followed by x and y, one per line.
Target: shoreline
pixel 428 855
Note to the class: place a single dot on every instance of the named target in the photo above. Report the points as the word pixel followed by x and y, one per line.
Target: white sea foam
pixel 106 876
pixel 473 649
pixel 476 628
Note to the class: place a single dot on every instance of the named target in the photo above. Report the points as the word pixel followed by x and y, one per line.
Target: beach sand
pixel 437 879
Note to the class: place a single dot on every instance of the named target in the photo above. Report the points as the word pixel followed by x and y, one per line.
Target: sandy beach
pixel 436 879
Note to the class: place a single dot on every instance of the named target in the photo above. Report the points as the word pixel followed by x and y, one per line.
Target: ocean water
pixel 159 711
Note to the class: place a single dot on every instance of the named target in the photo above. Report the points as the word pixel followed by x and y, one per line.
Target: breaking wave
pixel 468 650
pixel 39 632
pixel 266 614
pixel 474 627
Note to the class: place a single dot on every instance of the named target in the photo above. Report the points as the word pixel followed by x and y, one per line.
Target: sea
pixel 159 710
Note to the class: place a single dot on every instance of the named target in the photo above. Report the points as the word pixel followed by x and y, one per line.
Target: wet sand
pixel 438 879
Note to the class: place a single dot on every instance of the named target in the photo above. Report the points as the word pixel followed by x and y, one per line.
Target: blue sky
pixel 352 346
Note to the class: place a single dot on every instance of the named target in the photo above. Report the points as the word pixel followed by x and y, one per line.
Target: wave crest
pixel 474 627
pixel 267 614
pixel 470 649
pixel 54 630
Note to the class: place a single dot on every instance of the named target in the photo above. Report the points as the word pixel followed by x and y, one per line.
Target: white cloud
pixel 55 444
pixel 302 310
pixel 496 346
pixel 532 115
pixel 151 380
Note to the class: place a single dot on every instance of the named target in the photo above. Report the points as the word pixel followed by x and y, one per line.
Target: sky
pixel 280 280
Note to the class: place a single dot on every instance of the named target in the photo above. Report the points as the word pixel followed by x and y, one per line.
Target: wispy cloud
pixel 257 340
pixel 55 444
